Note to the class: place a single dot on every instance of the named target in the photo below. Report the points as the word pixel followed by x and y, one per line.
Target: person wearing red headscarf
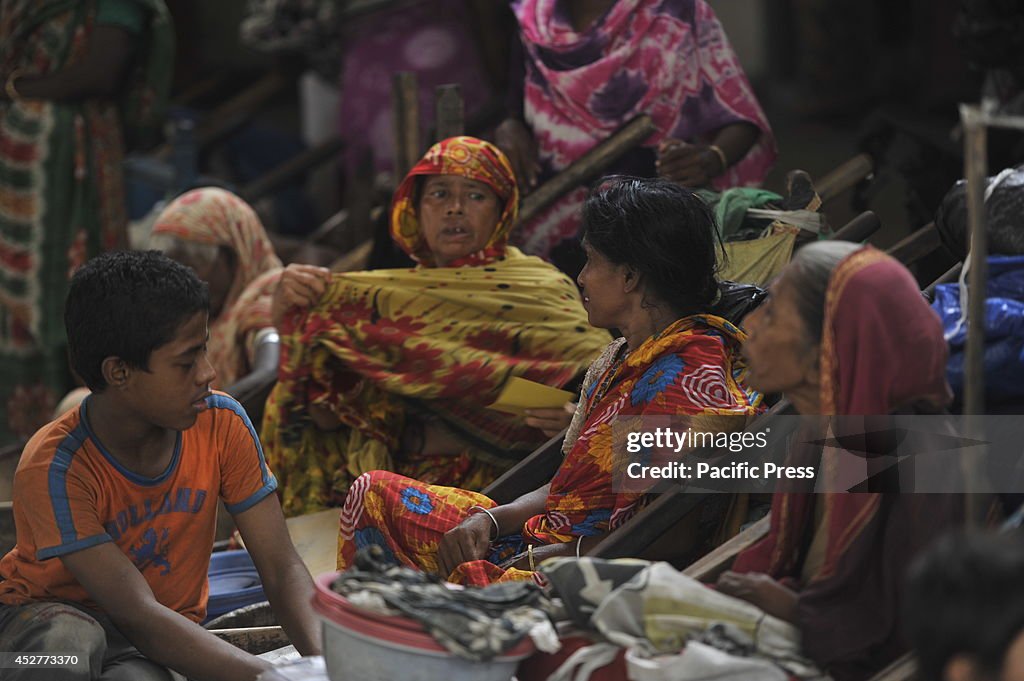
pixel 845 332
pixel 393 369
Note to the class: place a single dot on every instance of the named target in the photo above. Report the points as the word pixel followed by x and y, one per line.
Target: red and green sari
pixel 691 368
pixel 61 192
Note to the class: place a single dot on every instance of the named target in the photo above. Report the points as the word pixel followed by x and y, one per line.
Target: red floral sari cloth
pixel 431 345
pixel 693 367
pixel 882 350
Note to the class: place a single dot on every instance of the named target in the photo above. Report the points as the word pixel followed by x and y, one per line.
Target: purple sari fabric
pixel 432 39
pixel 667 58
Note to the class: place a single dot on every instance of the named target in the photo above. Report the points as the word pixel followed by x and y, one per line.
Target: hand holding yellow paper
pixel 519 394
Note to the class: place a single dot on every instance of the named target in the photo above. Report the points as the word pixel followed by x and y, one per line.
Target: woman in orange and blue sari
pixel 651 249
pixel 394 369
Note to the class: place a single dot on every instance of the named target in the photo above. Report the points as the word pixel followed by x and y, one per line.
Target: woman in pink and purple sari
pixel 592 65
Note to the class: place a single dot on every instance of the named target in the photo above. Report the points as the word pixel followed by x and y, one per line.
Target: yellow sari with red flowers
pixel 427 344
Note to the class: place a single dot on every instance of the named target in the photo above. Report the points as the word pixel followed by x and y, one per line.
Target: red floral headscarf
pixel 467 157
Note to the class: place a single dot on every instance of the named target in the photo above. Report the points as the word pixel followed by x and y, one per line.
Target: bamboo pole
pixel 450 111
pixel 406 118
pixel 292 169
pixel 975 167
pixel 843 177
pixel 588 166
pixel 233 113
pixel 975 121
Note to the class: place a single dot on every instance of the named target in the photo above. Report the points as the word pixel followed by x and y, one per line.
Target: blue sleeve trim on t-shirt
pixel 256 497
pixel 227 402
pixel 64 549
pixel 57 483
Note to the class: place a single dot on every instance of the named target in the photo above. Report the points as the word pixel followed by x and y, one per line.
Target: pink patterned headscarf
pixel 217 217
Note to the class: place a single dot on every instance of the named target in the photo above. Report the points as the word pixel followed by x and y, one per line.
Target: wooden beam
pixel 844 177
pixel 916 245
pixel 235 112
pixel 708 568
pixel 292 169
pixel 201 89
pixel 533 472
pixel 405 112
pixel 859 228
pixel 904 668
pixel 357 8
pixel 450 112
pixel 643 529
pixel 254 640
pixel 951 275
pixel 355 260
pixel 975 167
pixel 588 166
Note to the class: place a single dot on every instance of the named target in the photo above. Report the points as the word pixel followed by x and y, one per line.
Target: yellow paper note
pixel 519 394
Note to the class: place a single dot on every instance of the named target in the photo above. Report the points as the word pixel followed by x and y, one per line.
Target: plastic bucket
pixel 234 583
pixel 358 644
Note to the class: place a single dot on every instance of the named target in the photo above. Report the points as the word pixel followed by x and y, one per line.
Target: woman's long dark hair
pixel 663 232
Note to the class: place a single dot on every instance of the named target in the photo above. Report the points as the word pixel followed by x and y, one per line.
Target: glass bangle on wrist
pixel 721 157
pixel 529 556
pixel 10 89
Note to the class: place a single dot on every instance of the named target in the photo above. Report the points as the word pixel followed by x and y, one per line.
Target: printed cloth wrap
pixel 693 367
pixel 669 59
pixel 428 344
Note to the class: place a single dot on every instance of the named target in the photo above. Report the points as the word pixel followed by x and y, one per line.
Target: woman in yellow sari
pixel 394 369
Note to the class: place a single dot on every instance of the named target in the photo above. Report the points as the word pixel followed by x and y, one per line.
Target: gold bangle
pixel 721 156
pixel 529 556
pixel 12 92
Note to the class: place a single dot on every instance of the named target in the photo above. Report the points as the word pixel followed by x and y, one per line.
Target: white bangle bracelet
pixel 578 542
pixel 497 528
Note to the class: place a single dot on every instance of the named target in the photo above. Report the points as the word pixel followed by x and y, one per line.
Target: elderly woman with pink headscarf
pixel 220 236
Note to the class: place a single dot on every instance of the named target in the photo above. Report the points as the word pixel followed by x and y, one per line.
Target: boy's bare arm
pixel 162 635
pixel 286 580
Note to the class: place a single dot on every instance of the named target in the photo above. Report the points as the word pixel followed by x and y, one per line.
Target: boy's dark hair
pixel 660 230
pixel 127 304
pixel 965 596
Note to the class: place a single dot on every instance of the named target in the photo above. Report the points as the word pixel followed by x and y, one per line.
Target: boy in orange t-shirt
pixel 115 502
